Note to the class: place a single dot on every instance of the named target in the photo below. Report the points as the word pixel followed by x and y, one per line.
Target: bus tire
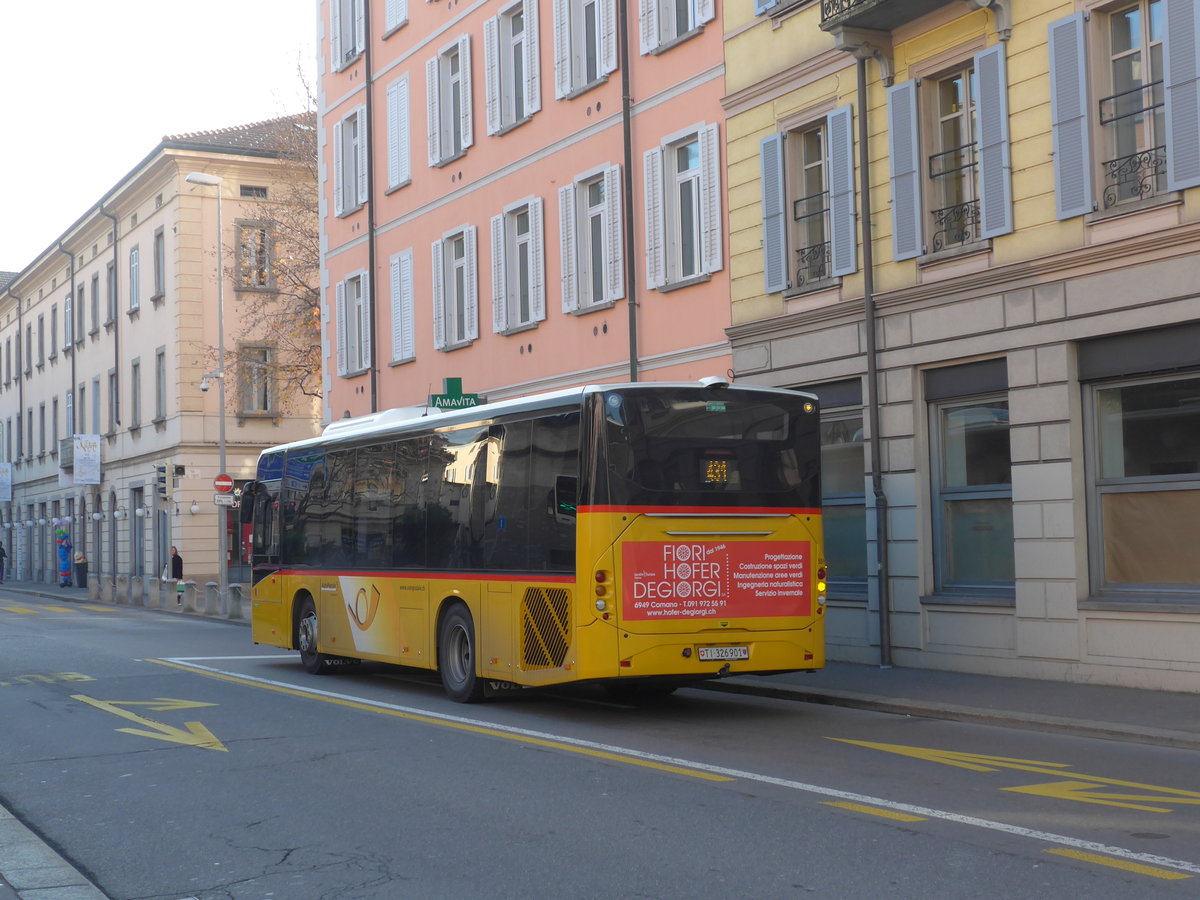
pixel 456 656
pixel 307 630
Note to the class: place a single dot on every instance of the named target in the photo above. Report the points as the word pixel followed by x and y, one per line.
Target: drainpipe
pixel 20 401
pixel 372 303
pixel 869 322
pixel 116 321
pixel 627 183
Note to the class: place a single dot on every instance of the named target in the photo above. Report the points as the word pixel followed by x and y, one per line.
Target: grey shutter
pixel 1069 118
pixel 656 263
pixel 711 223
pixel 339 204
pixel 1182 78
pixel 905 161
pixel 395 13
pixel 608 36
pixel 399 153
pixel 401 271
pixel 843 237
pixel 648 25
pixel 499 278
pixel 360 26
pixel 491 73
pixel 706 11
pixel 533 66
pixel 995 164
pixel 439 296
pixel 566 245
pixel 614 233
pixel 537 261
pixel 464 56
pixel 562 49
pixel 471 277
pixel 433 104
pixel 774 214
pixel 364 319
pixel 762 6
pixel 364 147
pixel 340 324
pixel 335 33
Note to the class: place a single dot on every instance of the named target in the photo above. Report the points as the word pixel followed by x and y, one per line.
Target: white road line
pixel 928 812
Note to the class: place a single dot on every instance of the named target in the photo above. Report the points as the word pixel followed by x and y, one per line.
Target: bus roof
pixel 403 420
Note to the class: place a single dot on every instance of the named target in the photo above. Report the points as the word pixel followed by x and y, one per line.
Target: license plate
pixel 709 653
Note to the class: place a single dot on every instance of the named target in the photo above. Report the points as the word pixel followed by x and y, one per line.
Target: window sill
pixel 594 307
pixel 1158 603
pixel 158 299
pixel 1132 207
pixel 387 34
pixel 135 430
pixel 41 456
pixel 349 211
pixel 686 282
pixel 53 358
pixel 517 329
pixel 981 598
pixel 401 362
pixel 159 423
pixel 958 251
pixel 511 126
pixel 108 324
pixel 446 160
pixel 40 366
pixel 255 289
pixel 812 287
pixel 786 9
pixel 677 40
pixel 448 348
pixel 256 414
pixel 583 89
pixel 133 313
pixel 392 188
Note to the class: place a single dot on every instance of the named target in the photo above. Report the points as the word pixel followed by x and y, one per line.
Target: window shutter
pixel 1182 84
pixel 395 14
pixel 399 157
pixel 533 66
pixel 774 214
pixel 472 280
pixel 365 357
pixel 711 223
pixel 491 73
pixel 649 25
pixel 68 323
pixel 995 166
pixel 537 261
pixel 1069 118
pixel 464 55
pixel 360 25
pixel 762 6
pixel 905 153
pixel 705 11
pixel 567 247
pixel 608 36
pixel 439 297
pixel 562 49
pixel 499 278
pixel 339 206
pixel 433 97
pixel 340 325
pixel 363 149
pixel 335 33
pixel 843 239
pixel 408 349
pixel 656 264
pixel 397 308
pixel 615 233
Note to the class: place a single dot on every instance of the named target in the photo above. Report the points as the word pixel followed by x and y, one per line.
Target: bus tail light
pixel 821 584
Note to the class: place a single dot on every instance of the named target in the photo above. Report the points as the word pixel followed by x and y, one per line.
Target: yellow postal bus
pixel 646 535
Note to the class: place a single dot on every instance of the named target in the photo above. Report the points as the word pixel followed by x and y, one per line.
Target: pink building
pixel 492 209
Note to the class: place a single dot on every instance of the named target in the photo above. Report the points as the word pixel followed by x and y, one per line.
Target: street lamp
pixel 222 521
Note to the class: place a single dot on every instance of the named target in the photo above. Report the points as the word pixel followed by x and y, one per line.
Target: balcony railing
pixel 813 262
pixel 954 226
pixel 1128 116
pixel 882 15
pixel 1135 177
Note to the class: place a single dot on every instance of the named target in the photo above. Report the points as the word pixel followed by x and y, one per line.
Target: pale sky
pixel 88 88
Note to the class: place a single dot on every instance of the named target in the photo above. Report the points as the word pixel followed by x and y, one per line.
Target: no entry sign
pixel 223 483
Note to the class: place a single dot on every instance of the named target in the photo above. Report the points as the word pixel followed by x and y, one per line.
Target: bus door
pixel 262 513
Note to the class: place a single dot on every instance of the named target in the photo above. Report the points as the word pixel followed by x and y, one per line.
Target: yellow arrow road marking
pixel 192 734
pixel 161 704
pixel 1062 790
pixel 874 811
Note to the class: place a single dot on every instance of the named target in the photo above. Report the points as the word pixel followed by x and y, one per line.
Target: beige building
pixel 1006 317
pixel 109 431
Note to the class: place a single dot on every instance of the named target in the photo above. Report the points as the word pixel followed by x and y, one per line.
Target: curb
pixel 32 869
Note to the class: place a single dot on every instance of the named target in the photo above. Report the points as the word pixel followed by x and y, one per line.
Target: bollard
pixel 152 599
pixel 137 590
pixel 107 589
pixel 235 600
pixel 212 599
pixel 121 590
pixel 93 589
pixel 189 597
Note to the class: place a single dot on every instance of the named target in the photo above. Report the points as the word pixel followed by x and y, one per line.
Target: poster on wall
pixel 87 459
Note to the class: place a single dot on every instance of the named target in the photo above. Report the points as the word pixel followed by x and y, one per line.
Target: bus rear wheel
pixel 307 631
pixel 456 656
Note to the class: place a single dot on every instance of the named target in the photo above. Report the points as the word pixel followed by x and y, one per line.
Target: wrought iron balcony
pixel 881 15
pixel 813 264
pixel 1135 177
pixel 955 226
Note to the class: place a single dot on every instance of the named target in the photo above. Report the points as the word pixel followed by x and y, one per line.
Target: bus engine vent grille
pixel 545 622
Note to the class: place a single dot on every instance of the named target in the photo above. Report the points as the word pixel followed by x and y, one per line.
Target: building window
pixel 395 14
pixel 54 425
pixel 160 384
pixel 255 256
pixel 972 481
pixel 843 491
pixel 399 142
pixel 256 384
pixel 54 326
pixel 449 108
pixel 135 394
pixel 95 310
pixel 664 22
pixel 455 304
pixel 28 350
pixel 585 44
pixel 160 265
pixel 111 308
pixel 518 268
pixel 962 176
pixel 403 343
pixel 511 63
pixel 1144 486
pixel 809 220
pixel 135 280
pixel 353 324
pixel 114 403
pixel 252 192
pixel 683 209
pixel 350 162
pixel 347 31
pixel 590 239
pixel 70 413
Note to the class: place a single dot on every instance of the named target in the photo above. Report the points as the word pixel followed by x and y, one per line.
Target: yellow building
pixel 1007 317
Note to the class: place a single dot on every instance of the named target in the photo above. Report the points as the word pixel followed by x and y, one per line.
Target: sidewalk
pixel 1088 710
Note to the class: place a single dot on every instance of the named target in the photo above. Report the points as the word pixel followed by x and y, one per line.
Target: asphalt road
pixel 170 758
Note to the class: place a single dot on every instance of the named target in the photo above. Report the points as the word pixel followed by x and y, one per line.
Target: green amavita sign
pixel 452 396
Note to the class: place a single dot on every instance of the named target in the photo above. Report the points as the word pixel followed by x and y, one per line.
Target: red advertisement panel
pixel 689 580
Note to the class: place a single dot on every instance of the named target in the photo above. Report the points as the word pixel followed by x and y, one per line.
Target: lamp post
pixel 222 516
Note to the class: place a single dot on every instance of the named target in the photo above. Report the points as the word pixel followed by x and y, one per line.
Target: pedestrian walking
pixel 176 564
pixel 3 558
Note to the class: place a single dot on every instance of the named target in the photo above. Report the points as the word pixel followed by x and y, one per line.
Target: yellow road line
pixel 459 726
pixel 19 609
pixel 59 608
pixel 872 811
pixel 99 608
pixel 1125 864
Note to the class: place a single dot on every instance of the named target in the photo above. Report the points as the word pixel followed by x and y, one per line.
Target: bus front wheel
pixel 306 640
pixel 456 656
